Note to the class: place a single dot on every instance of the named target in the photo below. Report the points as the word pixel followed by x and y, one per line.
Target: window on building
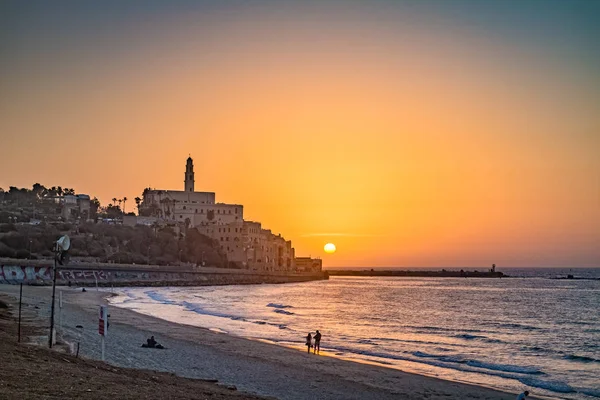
pixel 221 241
pixel 228 230
pixel 196 213
pixel 181 216
pixel 226 239
pixel 229 213
pixel 201 212
pixel 235 212
pixel 183 208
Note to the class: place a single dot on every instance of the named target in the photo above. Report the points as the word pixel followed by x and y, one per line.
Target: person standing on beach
pixel 523 395
pixel 317 342
pixel 308 342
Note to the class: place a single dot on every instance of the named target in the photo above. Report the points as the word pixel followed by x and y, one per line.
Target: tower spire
pixel 189 175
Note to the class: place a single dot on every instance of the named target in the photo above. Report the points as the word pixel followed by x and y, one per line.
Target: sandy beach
pixel 251 366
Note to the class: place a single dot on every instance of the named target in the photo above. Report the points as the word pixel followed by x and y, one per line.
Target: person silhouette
pixel 317 348
pixel 523 395
pixel 308 342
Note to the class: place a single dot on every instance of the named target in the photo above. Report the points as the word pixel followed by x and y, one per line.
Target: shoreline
pixel 253 366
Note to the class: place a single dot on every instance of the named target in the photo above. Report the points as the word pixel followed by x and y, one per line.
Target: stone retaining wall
pixel 42 275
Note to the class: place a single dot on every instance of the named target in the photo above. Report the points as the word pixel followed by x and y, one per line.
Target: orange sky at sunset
pixel 405 138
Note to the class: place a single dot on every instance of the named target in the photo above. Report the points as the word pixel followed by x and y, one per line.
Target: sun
pixel 329 248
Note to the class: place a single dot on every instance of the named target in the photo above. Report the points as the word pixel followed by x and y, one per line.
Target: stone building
pixel 188 206
pixel 246 243
pixel 307 264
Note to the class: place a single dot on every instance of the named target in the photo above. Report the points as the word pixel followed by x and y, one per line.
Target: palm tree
pixel 120 209
pixel 114 200
pixel 124 201
pixel 137 203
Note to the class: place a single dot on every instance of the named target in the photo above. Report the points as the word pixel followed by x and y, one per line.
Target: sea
pixel 530 331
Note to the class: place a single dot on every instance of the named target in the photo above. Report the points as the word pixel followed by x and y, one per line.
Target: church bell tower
pixel 189 175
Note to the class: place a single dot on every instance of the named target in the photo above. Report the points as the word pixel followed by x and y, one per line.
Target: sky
pixel 408 133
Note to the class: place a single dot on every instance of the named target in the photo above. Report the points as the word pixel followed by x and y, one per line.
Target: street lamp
pixel 61 246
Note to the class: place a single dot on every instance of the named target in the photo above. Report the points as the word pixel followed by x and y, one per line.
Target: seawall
pixel 417 273
pixel 91 275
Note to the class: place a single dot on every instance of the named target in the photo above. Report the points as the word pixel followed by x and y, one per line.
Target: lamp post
pixel 53 298
pixel 60 248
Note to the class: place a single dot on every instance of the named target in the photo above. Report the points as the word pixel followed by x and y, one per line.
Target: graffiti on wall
pixel 18 274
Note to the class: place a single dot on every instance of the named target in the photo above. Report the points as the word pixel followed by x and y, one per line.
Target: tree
pixel 124 202
pixel 137 204
pixel 38 190
pixel 113 211
pixel 114 200
pixel 59 191
pixel 94 207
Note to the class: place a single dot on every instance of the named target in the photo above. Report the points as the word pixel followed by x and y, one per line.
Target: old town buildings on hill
pixel 245 243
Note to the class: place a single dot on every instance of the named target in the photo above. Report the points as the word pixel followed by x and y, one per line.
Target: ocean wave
pixel 466 336
pixel 584 359
pixel 429 329
pixel 589 392
pixel 275 305
pixel 449 362
pixel 518 326
pixel 366 341
pixel 280 311
pixel 486 339
pixel 481 364
pixel 160 298
pixel 414 341
pixel 504 367
pixel 553 386
pixel 197 308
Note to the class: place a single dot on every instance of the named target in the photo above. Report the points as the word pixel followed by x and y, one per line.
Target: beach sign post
pixel 103 326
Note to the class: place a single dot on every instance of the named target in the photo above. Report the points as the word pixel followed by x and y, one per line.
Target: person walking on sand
pixel 308 342
pixel 317 342
pixel 523 395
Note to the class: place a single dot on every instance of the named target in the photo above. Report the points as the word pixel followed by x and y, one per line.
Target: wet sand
pixel 252 366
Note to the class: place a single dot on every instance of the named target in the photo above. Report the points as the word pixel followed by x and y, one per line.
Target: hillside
pixel 112 243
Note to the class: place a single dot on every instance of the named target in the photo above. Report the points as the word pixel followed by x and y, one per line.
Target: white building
pixel 188 206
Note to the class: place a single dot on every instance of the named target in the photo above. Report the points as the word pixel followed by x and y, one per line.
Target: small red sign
pixel 101 327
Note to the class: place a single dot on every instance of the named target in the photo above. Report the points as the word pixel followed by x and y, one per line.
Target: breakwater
pixel 122 275
pixel 420 274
